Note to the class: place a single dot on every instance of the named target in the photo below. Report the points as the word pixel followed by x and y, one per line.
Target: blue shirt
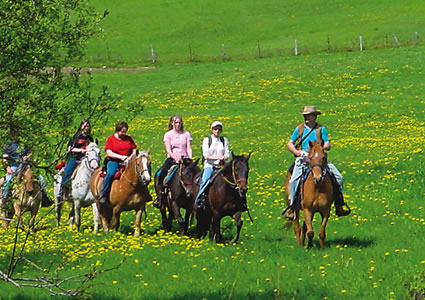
pixel 312 136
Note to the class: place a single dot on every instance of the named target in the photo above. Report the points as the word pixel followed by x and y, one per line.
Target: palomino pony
pixel 179 194
pixel 26 196
pixel 79 195
pixel 129 192
pixel 316 196
pixel 226 197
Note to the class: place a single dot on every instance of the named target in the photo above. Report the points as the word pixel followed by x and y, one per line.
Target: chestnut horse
pixel 316 196
pixel 129 192
pixel 26 196
pixel 226 197
pixel 179 194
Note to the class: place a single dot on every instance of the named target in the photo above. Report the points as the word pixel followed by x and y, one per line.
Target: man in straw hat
pixel 306 132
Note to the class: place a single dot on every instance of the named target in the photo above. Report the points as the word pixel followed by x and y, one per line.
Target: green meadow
pixel 373 106
pixel 234 29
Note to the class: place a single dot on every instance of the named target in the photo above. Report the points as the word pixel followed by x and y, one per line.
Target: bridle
pixel 88 161
pixel 238 184
pixel 184 184
pixel 142 178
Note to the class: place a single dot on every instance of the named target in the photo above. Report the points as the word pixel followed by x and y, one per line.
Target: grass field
pixel 175 27
pixel 373 106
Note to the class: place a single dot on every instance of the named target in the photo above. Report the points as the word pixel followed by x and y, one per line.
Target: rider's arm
pixel 189 148
pixel 167 145
pixel 112 154
pixel 327 146
pixel 292 149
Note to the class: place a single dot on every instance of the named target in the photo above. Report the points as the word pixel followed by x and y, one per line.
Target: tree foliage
pixel 38 38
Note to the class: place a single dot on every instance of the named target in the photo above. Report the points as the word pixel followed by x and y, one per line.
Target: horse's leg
pixel 297 230
pixel 116 213
pixel 163 210
pixel 303 233
pixel 96 218
pixel 58 208
pixel 71 217
pixel 322 233
pixel 216 228
pixel 308 220
pixel 138 221
pixel 77 214
pixel 176 212
pixel 186 220
pixel 239 222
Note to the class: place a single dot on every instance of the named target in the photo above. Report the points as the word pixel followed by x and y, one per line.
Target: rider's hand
pixel 302 153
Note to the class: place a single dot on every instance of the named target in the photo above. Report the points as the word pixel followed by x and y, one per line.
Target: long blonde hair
pixel 170 123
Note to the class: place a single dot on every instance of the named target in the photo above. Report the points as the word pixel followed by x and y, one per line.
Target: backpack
pixel 300 140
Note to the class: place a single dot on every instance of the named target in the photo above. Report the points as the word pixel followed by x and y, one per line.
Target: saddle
pixel 61 166
pixel 170 174
pixel 117 174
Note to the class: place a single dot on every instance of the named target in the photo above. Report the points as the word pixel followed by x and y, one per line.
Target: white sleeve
pixel 205 148
pixel 226 148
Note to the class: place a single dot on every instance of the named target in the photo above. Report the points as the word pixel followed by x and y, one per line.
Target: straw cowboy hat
pixel 310 109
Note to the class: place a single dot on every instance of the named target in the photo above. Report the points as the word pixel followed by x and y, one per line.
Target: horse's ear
pixel 97 141
pixel 249 155
pixel 233 154
pixel 310 143
pixel 322 143
pixel 196 161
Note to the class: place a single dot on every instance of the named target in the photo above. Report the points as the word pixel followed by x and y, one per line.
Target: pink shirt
pixel 179 142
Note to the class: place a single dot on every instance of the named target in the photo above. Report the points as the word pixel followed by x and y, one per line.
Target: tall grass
pixel 180 31
pixel 373 106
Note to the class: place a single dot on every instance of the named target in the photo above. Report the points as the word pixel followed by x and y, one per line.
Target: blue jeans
pixel 112 167
pixel 69 168
pixel 8 179
pixel 205 181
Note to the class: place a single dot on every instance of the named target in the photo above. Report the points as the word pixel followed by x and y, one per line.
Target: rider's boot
pixel 339 203
pixel 158 201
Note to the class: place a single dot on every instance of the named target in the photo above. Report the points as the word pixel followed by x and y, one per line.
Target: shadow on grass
pixel 351 242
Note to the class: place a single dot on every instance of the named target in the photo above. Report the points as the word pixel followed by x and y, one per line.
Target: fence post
pixel 190 52
pixel 415 39
pixel 361 43
pixel 396 39
pixel 259 49
pixel 153 54
pixel 296 48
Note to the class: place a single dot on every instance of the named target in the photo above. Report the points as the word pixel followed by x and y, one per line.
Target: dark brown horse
pixel 129 192
pixel 26 196
pixel 179 194
pixel 316 196
pixel 226 197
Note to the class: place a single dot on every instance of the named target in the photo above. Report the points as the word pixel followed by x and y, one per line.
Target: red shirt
pixel 124 146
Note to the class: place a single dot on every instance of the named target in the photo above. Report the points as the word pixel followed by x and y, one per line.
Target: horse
pixel 79 195
pixel 129 192
pixel 179 194
pixel 317 195
pixel 226 197
pixel 26 196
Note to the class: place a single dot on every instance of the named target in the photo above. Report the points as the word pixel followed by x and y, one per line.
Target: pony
pixel 79 195
pixel 179 194
pixel 129 192
pixel 226 197
pixel 316 196
pixel 26 196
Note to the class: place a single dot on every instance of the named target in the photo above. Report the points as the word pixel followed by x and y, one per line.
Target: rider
pixel 76 150
pixel 178 144
pixel 119 147
pixel 13 156
pixel 215 150
pixel 298 145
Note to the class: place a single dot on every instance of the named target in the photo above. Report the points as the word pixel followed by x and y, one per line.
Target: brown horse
pixel 226 197
pixel 26 196
pixel 129 192
pixel 179 194
pixel 316 196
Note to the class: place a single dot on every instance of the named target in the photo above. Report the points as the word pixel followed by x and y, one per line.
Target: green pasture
pixel 197 30
pixel 373 106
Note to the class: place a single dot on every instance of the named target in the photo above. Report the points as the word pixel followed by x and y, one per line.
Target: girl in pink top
pixel 178 144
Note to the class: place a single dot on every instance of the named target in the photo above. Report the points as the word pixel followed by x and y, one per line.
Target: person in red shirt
pixel 118 147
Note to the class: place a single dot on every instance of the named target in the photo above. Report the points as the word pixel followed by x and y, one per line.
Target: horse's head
pixel 188 169
pixel 92 156
pixel 143 167
pixel 317 160
pixel 240 170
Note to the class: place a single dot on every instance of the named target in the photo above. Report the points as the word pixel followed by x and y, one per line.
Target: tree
pixel 38 38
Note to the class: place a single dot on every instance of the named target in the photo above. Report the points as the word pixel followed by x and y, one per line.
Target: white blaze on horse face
pixel 145 169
